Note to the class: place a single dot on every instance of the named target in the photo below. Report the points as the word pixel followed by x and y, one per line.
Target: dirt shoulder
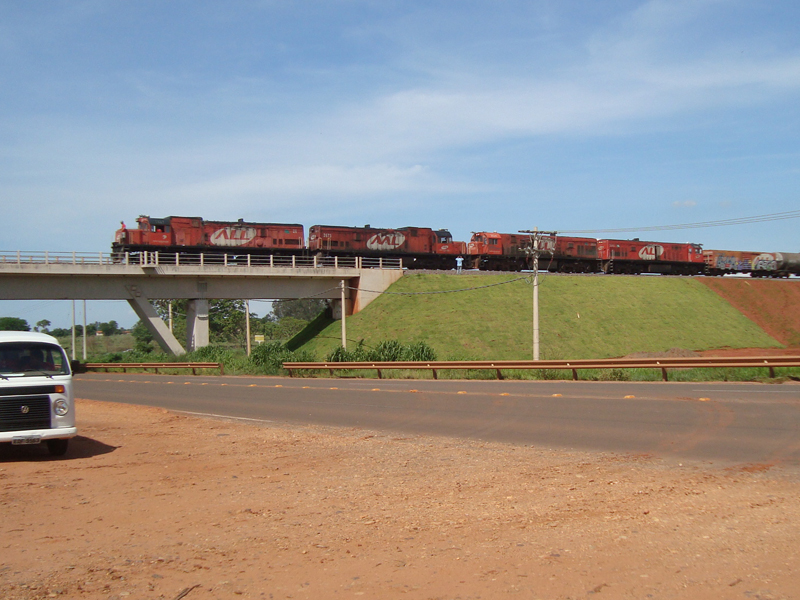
pixel 149 504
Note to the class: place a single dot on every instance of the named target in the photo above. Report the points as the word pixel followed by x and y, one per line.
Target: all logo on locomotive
pixel 426 248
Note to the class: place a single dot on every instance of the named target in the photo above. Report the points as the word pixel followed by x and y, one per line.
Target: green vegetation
pixel 489 317
pixel 580 317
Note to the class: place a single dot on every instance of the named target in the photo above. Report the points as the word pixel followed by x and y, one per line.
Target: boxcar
pixel 722 262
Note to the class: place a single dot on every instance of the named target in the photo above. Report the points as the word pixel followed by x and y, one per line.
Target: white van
pixel 36 402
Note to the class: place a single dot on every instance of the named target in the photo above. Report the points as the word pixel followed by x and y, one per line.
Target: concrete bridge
pixel 351 283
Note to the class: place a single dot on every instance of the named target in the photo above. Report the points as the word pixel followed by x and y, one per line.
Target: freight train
pixel 426 248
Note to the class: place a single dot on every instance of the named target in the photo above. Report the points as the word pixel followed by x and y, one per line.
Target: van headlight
pixel 61 407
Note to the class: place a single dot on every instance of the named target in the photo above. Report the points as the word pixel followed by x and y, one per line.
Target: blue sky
pixel 563 115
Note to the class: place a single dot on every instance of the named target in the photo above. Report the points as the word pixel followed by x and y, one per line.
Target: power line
pixel 792 214
pixel 470 289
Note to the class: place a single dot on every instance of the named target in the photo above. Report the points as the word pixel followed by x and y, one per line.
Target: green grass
pixel 580 317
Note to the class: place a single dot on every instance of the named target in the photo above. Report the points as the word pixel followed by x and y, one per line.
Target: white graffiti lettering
pixel 233 236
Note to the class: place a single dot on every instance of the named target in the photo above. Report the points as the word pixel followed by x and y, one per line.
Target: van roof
pixel 27 336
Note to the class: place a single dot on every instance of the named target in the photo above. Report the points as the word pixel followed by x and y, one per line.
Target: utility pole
pixel 247 323
pixel 344 325
pixel 534 250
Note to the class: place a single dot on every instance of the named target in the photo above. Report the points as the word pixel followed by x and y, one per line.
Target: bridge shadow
pixel 79 447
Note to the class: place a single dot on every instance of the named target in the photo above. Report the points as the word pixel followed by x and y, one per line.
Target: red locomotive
pixel 193 234
pixel 569 255
pixel 635 256
pixel 420 247
pixel 499 251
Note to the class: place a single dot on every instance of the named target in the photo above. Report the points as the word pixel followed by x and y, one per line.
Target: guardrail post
pixel 664 374
pixel 380 375
pixel 499 374
pixel 435 376
pixel 574 374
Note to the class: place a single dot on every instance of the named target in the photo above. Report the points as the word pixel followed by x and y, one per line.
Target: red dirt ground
pixel 772 304
pixel 154 505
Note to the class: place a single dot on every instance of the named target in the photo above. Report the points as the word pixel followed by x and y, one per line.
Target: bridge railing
pixel 147 258
pixel 18 257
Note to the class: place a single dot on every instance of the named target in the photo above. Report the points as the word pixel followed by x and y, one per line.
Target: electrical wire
pixel 792 214
pixel 480 287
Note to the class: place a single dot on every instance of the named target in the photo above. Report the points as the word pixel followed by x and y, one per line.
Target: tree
pixel 305 309
pixel 14 324
pixel 110 328
pixel 227 320
pixel 143 337
pixel 42 326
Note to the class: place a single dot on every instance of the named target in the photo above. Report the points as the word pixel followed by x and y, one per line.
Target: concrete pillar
pixel 336 308
pixel 197 324
pixel 155 325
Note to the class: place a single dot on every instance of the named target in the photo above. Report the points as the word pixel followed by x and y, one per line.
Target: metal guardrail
pixel 155 259
pixel 770 362
pixel 155 366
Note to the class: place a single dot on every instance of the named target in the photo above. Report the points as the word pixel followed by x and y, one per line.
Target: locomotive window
pixel 570 246
pixel 493 242
pixel 292 242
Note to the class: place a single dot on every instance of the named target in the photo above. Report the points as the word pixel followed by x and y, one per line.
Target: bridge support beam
pixel 197 324
pixel 155 325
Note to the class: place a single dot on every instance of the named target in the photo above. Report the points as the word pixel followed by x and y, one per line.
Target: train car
pixel 788 263
pixel 636 256
pixel 492 251
pixel 419 247
pixel 569 255
pixel 724 262
pixel 776 264
pixel 193 234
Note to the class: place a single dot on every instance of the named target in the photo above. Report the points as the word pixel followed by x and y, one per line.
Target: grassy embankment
pixel 580 317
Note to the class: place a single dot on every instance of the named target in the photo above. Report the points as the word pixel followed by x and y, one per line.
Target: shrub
pixel 270 357
pixel 385 351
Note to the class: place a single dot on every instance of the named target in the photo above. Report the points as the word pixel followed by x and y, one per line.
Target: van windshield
pixel 25 359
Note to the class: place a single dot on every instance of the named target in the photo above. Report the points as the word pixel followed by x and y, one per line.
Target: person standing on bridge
pixel 459 262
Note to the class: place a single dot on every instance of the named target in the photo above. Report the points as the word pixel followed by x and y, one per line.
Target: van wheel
pixel 57 447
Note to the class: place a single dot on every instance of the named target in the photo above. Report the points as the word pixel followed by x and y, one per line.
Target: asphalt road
pixel 717 422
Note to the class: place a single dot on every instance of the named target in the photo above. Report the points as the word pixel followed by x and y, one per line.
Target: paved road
pixel 719 422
